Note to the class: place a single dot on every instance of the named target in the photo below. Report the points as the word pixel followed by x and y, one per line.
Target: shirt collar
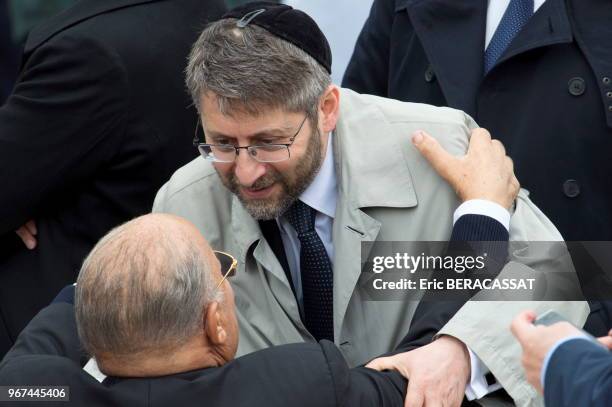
pixel 321 194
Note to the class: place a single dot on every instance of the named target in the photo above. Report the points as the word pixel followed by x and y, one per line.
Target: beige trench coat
pixel 387 191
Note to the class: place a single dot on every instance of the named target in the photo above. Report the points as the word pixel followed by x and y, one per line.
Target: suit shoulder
pixel 303 357
pixel 396 111
pixel 369 114
pixel 117 18
pixel 26 369
pixel 318 366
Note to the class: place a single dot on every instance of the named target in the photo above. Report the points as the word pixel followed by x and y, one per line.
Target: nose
pixel 248 170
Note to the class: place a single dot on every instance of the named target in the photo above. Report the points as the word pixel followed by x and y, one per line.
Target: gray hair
pixel 249 69
pixel 143 287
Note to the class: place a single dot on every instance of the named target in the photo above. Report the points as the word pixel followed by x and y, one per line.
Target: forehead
pixel 243 123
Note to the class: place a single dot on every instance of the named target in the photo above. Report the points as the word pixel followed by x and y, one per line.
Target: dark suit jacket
pixel 8 57
pixel 579 374
pixel 548 99
pixel 99 120
pixel 47 353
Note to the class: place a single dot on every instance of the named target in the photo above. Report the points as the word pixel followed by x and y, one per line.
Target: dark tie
pixel 316 272
pixel 516 16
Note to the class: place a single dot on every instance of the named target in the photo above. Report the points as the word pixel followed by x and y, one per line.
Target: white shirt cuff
pixel 485 208
pixel 478 386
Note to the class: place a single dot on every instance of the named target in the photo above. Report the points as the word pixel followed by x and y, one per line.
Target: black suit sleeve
pixel 52 332
pixel 362 387
pixel 579 374
pixel 368 69
pixel 485 234
pixel 63 123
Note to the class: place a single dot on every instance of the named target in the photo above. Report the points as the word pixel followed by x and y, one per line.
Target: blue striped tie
pixel 316 272
pixel 516 16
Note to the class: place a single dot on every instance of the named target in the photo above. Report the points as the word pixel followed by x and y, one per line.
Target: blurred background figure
pixel 27 14
pixel 8 53
pixel 236 3
pixel 17 18
pixel 98 120
pixel 341 22
pixel 536 73
pixel 561 362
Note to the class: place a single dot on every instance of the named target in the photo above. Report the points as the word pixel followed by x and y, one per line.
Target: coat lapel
pixel 548 26
pixel 369 174
pixel 248 237
pixel 452 34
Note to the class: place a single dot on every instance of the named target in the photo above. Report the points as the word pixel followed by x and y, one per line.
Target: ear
pixel 214 323
pixel 330 108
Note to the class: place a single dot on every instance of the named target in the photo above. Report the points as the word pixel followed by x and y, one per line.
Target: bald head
pixel 144 287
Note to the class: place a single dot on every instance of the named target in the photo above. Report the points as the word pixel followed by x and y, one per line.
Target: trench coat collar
pixel 371 172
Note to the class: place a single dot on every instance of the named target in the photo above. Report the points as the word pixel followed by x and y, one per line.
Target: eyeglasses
pixel 228 266
pixel 264 153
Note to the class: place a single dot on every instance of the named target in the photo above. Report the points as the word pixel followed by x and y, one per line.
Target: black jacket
pixel 548 99
pixel 98 121
pixel 8 66
pixel 309 375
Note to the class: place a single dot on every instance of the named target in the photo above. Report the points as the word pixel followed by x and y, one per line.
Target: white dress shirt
pixel 322 195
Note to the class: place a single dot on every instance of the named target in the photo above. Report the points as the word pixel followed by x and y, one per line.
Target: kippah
pixel 285 22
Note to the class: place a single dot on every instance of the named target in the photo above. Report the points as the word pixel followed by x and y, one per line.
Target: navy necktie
pixel 316 273
pixel 516 16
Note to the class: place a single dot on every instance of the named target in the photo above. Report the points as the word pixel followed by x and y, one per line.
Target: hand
pixel 536 341
pixel 606 340
pixel 437 373
pixel 485 172
pixel 27 233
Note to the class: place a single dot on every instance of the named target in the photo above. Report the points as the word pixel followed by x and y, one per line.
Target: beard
pixel 292 184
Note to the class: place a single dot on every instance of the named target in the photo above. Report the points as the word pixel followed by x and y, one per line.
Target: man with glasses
pixel 297 173
pixel 154 308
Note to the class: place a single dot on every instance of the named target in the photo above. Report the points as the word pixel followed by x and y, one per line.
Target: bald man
pixel 153 306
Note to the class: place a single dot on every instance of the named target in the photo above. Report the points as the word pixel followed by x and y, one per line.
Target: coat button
pixel 609 95
pixel 606 80
pixel 576 86
pixel 430 76
pixel 571 188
